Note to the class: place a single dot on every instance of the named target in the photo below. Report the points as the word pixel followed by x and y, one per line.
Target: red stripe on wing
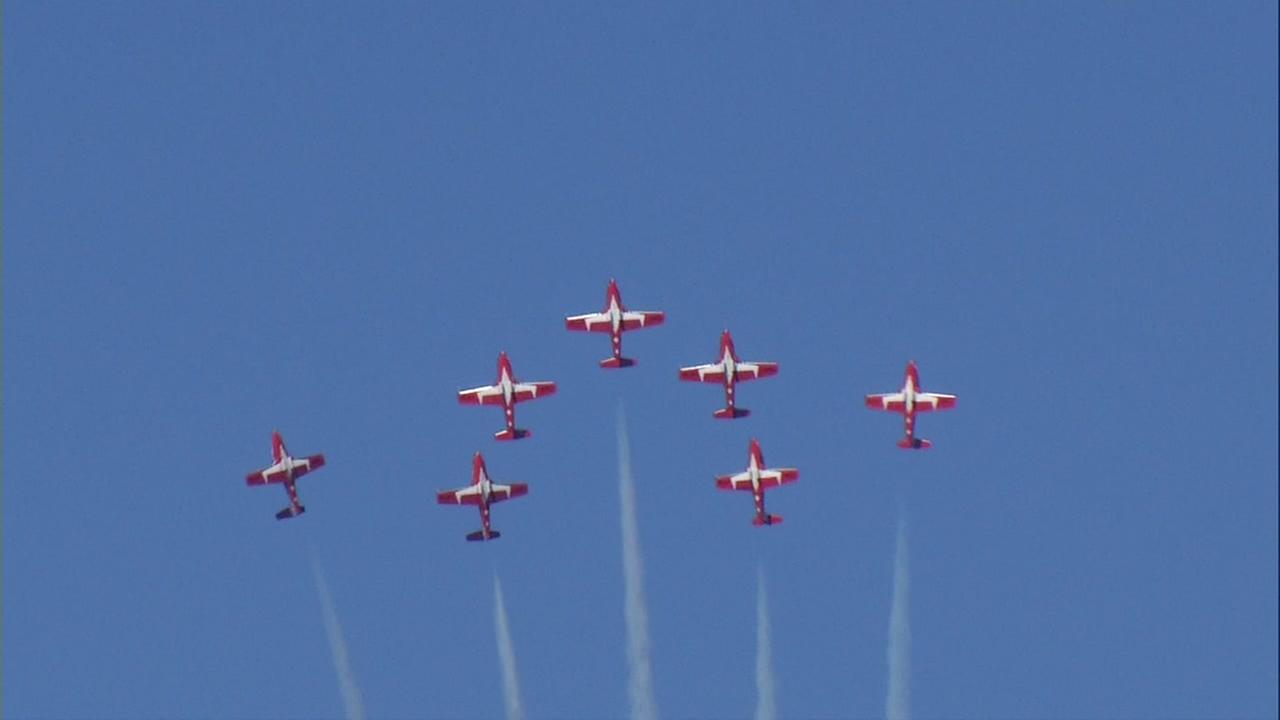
pixel 474 397
pixel 517 490
pixel 692 375
pixel 543 390
pixel 877 402
pixel 651 319
pixel 450 497
pixel 942 403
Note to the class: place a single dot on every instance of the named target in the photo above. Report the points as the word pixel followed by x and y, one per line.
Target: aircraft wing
pixel 636 320
pixel 469 495
pixel 928 402
pixel 591 322
pixel 498 493
pixel 533 391
pixel 740 481
pixel 703 373
pixel 483 395
pixel 302 466
pixel 753 370
pixel 778 477
pixel 274 474
pixel 893 402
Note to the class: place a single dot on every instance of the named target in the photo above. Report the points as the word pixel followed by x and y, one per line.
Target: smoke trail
pixel 766 704
pixel 643 704
pixel 507 654
pixel 338 647
pixel 898 702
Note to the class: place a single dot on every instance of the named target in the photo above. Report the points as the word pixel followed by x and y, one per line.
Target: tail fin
pixel 914 444
pixel 291 511
pixel 766 519
pixel 481 536
pixel 731 413
pixel 617 362
pixel 512 434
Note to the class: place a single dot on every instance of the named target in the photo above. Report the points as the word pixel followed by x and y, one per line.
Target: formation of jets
pixel 728 370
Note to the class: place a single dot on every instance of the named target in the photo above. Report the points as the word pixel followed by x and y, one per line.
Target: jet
pixel 482 492
pixel 909 401
pixel 729 370
pixel 507 391
pixel 285 469
pixel 614 319
pixel 757 479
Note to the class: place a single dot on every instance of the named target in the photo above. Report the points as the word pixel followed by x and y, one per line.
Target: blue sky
pixel 226 218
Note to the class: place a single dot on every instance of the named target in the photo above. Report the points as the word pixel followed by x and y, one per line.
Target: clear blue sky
pixel 224 218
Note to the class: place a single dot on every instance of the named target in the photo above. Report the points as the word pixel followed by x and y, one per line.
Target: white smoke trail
pixel 643 704
pixel 507 654
pixel 338 647
pixel 898 702
pixel 766 702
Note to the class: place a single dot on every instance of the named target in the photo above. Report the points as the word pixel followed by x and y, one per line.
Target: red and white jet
pixel 757 479
pixel 614 319
pixel 729 370
pixel 909 401
pixel 285 469
pixel 507 391
pixel 482 492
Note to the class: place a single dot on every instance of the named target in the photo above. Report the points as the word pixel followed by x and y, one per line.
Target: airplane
pixel 285 469
pixel 757 479
pixel 482 492
pixel 909 401
pixel 507 392
pixel 729 370
pixel 614 319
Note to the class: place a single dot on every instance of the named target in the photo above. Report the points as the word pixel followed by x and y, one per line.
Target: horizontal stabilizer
pixel 914 444
pixel 766 520
pixel 617 362
pixel 291 511
pixel 480 536
pixel 514 434
pixel 731 413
